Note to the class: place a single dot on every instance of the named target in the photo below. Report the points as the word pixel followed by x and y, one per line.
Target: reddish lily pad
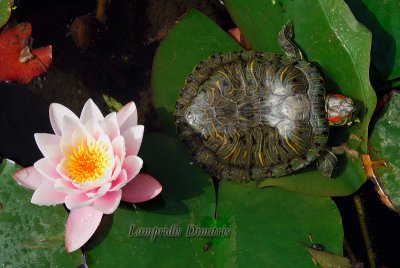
pixel 17 61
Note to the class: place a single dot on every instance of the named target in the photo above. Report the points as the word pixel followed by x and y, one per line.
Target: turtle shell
pixel 251 115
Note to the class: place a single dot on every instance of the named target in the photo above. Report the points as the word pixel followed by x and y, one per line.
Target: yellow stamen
pixel 87 161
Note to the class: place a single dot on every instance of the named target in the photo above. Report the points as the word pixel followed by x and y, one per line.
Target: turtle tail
pixel 285 36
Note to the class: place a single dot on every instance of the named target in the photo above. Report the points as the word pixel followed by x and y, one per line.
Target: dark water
pixel 118 63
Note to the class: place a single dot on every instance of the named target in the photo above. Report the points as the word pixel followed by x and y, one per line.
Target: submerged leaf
pixel 384 145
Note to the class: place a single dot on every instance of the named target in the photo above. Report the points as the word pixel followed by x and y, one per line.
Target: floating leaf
pixel 384 145
pixel 187 198
pixel 17 61
pixel 330 37
pixel 382 19
pixel 30 234
pixel 328 260
pixel 270 226
pixel 5 11
pixel 281 218
pixel 193 39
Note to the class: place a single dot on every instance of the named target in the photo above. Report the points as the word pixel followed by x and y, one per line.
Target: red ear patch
pixel 334 118
pixel 340 96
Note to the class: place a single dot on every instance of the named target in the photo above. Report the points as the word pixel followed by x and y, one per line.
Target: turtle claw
pixel 344 148
pixel 354 137
pixel 369 166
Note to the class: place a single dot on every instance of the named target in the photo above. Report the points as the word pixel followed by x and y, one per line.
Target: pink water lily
pixel 90 164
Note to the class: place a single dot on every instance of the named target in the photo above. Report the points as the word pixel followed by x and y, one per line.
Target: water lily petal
pixel 81 225
pixel 49 145
pixel 107 142
pixel 132 165
pixel 109 202
pixel 110 125
pixel 79 136
pixel 66 187
pixel 70 125
pixel 100 191
pixel 46 195
pixel 75 201
pixel 28 177
pixel 94 128
pixel 46 169
pixel 90 111
pixel 133 139
pixel 57 113
pixel 142 188
pixel 127 116
pixel 120 181
pixel 61 170
pixel 118 145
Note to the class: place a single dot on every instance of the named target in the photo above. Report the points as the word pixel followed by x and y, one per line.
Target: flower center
pixel 87 161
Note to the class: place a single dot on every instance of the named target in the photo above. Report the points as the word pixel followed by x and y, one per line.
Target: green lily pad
pixel 329 36
pixel 327 260
pixel 384 145
pixel 5 11
pixel 30 234
pixel 187 198
pixel 282 219
pixel 271 226
pixel 382 19
pixel 193 39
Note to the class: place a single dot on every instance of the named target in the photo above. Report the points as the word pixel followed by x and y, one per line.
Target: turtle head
pixel 341 110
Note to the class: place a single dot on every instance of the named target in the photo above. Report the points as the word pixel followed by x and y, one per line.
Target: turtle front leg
pixel 285 41
pixel 326 162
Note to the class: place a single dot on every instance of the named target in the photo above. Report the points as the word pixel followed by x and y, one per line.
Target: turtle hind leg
pixel 285 36
pixel 326 163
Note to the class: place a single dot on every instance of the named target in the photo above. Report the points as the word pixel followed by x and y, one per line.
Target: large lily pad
pixel 382 19
pixel 271 227
pixel 282 219
pixel 5 11
pixel 30 235
pixel 193 39
pixel 187 198
pixel 330 37
pixel 384 145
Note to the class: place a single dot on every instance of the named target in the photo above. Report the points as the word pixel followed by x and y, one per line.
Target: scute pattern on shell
pixel 250 115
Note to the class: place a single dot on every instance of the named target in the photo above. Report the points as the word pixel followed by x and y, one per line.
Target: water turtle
pixel 252 115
